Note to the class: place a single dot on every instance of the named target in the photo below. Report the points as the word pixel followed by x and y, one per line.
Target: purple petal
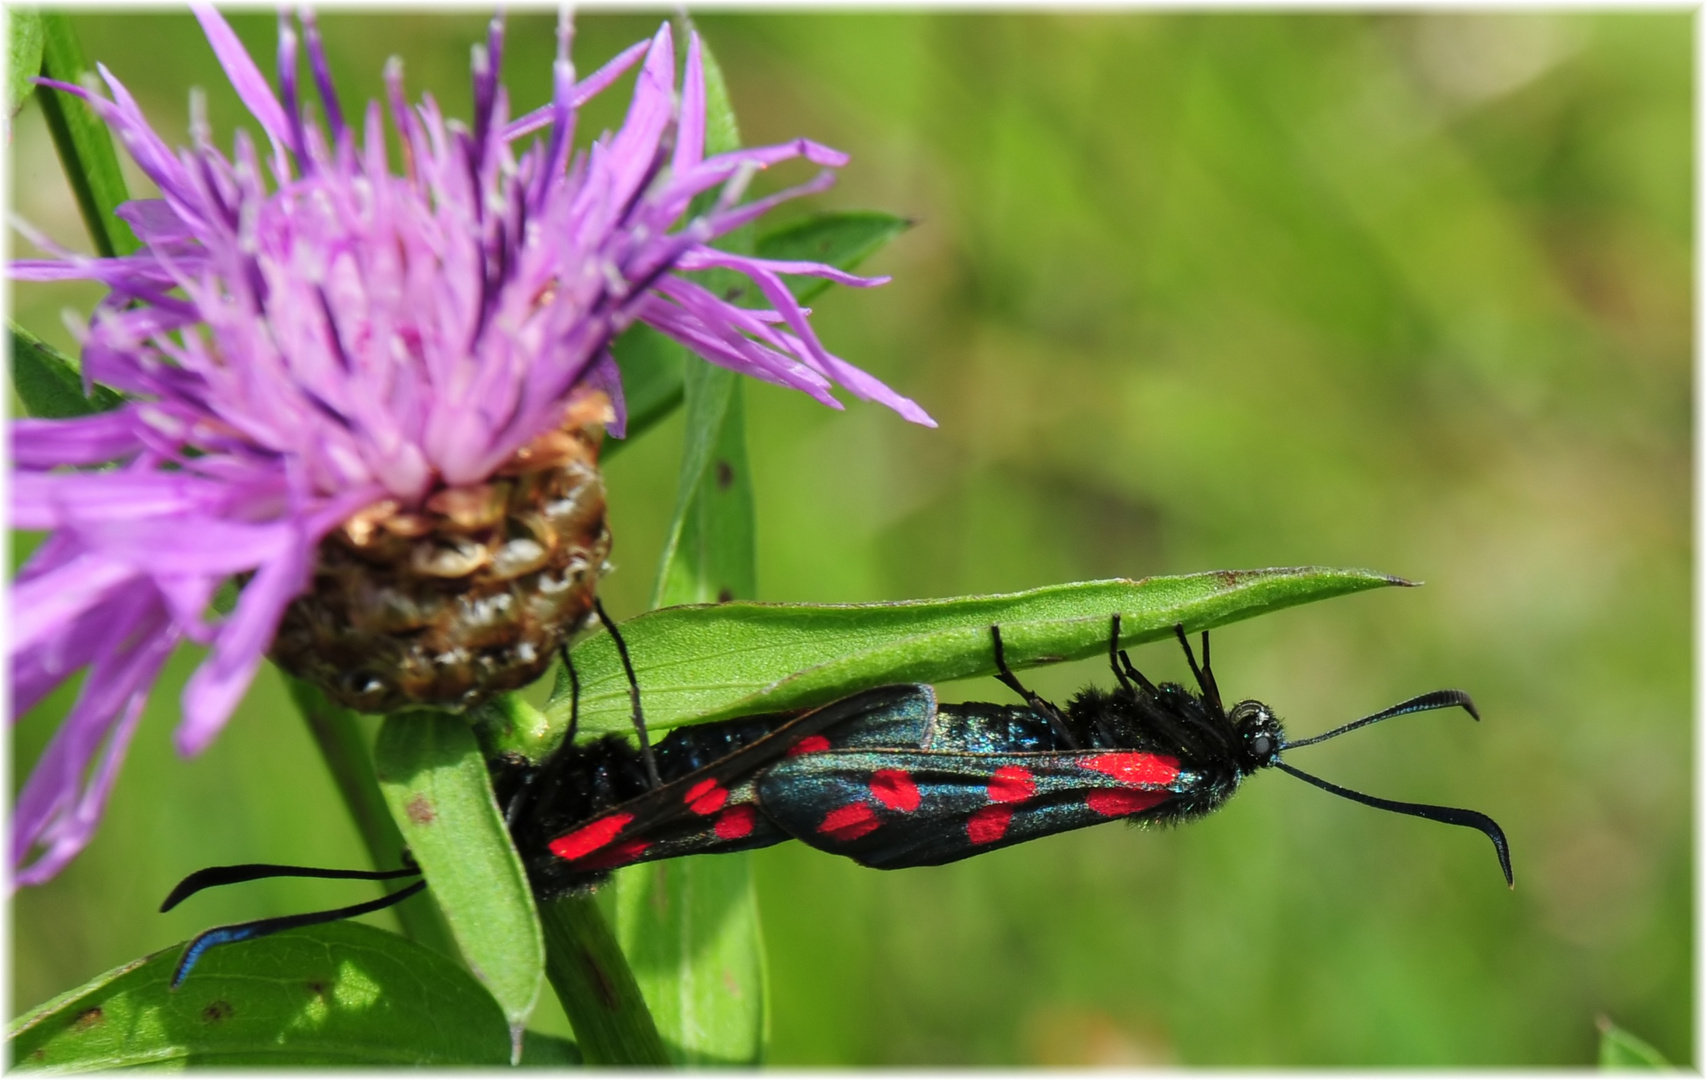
pixel 97 631
pixel 690 131
pixel 41 605
pixel 87 440
pixel 245 77
pixel 649 113
pixel 55 807
pixel 154 221
pixel 584 91
pixel 219 684
pixel 707 258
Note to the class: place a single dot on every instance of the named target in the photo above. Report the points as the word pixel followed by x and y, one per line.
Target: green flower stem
pixel 85 146
pixel 337 732
pixel 597 989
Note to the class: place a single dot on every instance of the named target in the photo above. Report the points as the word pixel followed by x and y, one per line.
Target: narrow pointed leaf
pixel 23 55
pixel 434 779
pixel 49 383
pixel 1618 1049
pixel 651 366
pixel 713 661
pixel 690 930
pixel 338 994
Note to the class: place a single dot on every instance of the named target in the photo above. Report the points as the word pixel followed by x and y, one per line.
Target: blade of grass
pixel 691 929
pixel 592 980
pixel 85 146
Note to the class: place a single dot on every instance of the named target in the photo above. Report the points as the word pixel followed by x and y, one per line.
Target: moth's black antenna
pixel 1055 720
pixel 1436 699
pixel 1470 819
pixel 224 935
pixel 1205 677
pixel 574 693
pixel 214 876
pixel 633 694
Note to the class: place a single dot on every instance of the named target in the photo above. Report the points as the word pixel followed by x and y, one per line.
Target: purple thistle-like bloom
pixel 298 352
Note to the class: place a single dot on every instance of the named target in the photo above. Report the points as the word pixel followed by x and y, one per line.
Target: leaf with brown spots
pixel 340 994
pixel 434 779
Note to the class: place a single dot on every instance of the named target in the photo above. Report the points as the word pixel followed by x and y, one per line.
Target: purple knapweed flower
pixel 345 337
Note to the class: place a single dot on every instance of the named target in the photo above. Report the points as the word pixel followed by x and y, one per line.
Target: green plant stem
pixel 337 732
pixel 85 146
pixel 598 991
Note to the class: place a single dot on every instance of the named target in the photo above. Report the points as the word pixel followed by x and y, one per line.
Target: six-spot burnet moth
pixel 889 778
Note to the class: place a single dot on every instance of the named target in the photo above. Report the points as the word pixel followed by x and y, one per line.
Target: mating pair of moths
pixel 887 777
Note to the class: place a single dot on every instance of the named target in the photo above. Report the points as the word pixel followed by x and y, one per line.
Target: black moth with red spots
pixel 889 778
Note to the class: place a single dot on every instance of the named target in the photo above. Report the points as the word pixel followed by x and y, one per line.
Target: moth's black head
pixel 1260 735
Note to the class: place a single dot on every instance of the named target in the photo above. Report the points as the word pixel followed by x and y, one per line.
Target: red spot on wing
pixel 735 822
pixel 1138 770
pixel 1011 784
pixel 589 838
pixel 621 855
pixel 895 790
pixel 848 823
pixel 706 797
pixel 811 744
pixel 988 824
pixel 1118 803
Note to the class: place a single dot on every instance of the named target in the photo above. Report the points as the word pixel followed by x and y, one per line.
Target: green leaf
pixel 341 994
pixel 651 364
pixel 690 930
pixel 23 55
pixel 84 144
pixel 435 783
pixel 337 732
pixel 715 661
pixel 843 239
pixel 548 1051
pixel 707 553
pixel 1620 1050
pixel 49 384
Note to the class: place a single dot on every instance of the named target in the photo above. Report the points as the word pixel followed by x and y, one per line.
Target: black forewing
pixel 710 810
pixel 893 808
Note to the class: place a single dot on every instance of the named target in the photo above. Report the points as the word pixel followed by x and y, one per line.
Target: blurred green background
pixel 1186 292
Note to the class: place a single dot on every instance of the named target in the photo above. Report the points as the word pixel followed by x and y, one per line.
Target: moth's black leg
pixel 1211 687
pixel 1055 720
pixel 1205 683
pixel 1136 675
pixel 633 694
pixel 1114 653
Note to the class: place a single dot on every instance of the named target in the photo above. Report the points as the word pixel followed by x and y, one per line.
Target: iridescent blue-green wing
pixel 713 809
pixel 890 808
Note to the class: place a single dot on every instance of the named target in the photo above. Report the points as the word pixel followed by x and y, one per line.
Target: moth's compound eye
pixel 1262 745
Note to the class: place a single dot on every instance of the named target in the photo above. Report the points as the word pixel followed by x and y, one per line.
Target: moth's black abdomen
pixel 980 727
